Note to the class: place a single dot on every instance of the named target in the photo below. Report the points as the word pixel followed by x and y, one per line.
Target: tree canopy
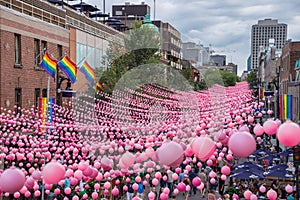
pixel 140 46
pixel 252 79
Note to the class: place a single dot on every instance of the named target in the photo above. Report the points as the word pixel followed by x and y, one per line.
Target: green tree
pixel 229 78
pixel 252 79
pixel 224 78
pixel 140 46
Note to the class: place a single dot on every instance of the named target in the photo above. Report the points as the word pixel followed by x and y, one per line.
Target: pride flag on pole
pixel 49 64
pixel 69 68
pixel 286 106
pixel 88 72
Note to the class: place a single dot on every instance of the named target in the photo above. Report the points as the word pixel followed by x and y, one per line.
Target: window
pixel 37 56
pixel 17 50
pixel 18 99
pixel 44 92
pixel 44 46
pixel 59 52
pixel 37 93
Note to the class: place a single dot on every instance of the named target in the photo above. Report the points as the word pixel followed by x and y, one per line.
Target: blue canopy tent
pixel 247 164
pixel 247 174
pixel 279 173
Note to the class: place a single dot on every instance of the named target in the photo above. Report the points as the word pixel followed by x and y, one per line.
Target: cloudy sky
pixel 225 24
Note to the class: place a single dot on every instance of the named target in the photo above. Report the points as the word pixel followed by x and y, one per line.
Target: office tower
pixel 260 35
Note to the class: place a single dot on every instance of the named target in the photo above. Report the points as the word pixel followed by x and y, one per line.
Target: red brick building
pixel 23 40
pixel 287 72
pixel 28 28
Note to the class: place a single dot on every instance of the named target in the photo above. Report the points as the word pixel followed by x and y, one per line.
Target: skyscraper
pixel 260 35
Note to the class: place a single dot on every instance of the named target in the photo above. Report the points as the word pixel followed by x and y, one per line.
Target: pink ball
pixel 17 195
pixel 166 155
pixel 53 172
pixel 223 177
pixel 138 179
pixel 27 194
pixel 181 187
pixel 242 144
pixel 135 186
pixel 288 134
pixel 127 159
pixel 212 181
pixel 196 181
pixel 75 197
pixel 57 191
pixel 12 180
pixel 258 130
pixel 106 185
pixel 188 188
pixel 88 171
pixel 37 193
pixel 176 191
pixel 270 127
pixel 247 194
pixel 174 176
pixel 225 170
pixel 125 188
pixel 250 119
pixel 67 190
pixel 253 197
pixel 163 196
pixel 289 188
pixel 262 189
pixel 271 194
pixel 115 191
pixel 94 195
pixel 203 147
pixel 154 181
pixel 36 175
pixel 151 195
pixel 209 162
pixel 166 190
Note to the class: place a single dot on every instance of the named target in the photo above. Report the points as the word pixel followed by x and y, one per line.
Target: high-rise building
pixel 196 53
pixel 260 35
pixel 249 64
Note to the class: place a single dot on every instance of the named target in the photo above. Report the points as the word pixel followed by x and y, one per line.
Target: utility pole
pixel 154 9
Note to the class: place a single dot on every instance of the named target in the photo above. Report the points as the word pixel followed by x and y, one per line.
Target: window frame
pixel 18 50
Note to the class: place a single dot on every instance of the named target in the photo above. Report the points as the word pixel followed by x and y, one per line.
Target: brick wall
pixel 27 77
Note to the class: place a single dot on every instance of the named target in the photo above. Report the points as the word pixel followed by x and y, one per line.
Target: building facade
pixel 30 28
pixel 219 60
pixel 260 35
pixel 196 53
pixel 288 80
pixel 129 13
pixel 171 43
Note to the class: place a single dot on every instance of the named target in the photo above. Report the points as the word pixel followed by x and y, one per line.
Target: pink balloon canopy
pixel 71 149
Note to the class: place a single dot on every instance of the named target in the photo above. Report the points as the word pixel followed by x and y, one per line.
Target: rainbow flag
pixel 49 64
pixel 98 86
pixel 263 93
pixel 69 68
pixel 286 106
pixel 46 110
pixel 88 72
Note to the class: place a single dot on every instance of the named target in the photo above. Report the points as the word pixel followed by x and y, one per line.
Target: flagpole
pixel 48 96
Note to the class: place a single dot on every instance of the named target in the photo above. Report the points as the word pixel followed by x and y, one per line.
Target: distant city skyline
pixel 226 25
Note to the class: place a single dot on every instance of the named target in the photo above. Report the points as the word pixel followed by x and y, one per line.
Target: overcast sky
pixel 225 24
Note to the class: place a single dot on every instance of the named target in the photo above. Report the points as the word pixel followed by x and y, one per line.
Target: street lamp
pixel 68 92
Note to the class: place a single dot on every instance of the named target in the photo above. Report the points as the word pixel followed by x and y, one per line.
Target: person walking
pixel 202 176
pixel 130 191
